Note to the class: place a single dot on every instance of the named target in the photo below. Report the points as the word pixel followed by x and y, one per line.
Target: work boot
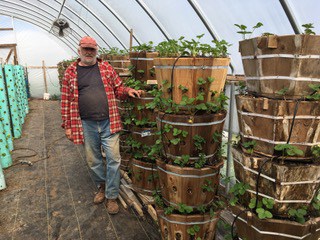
pixel 112 206
pixel 100 195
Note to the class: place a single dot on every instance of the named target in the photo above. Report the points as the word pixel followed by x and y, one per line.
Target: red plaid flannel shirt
pixel 69 99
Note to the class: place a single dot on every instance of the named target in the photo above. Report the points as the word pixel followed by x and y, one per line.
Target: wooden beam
pixel 131 38
pixel 10 45
pixel 44 77
pixel 41 67
pixel 6 29
pixel 15 56
pixel 9 55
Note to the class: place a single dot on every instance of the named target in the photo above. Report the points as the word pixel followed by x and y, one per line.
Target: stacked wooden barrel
pixel 189 165
pixel 279 126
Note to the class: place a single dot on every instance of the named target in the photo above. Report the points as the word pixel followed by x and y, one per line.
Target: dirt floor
pixel 52 198
pixel 50 191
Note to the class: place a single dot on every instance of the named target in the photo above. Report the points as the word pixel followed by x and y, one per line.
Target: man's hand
pixel 135 93
pixel 68 134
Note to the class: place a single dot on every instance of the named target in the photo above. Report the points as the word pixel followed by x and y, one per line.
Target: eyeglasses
pixel 89 49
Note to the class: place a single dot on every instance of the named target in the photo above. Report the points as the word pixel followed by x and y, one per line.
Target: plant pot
pixel 125 161
pixel 291 185
pixel 146 136
pixel 274 63
pixel 204 126
pixel 187 71
pixel 143 61
pixel 268 122
pixel 143 113
pixel 187 185
pixel 120 63
pixel 250 227
pixel 175 226
pixel 145 177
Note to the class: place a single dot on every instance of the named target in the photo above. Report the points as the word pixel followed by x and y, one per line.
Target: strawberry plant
pixel 288 150
pixel 308 28
pixel 243 29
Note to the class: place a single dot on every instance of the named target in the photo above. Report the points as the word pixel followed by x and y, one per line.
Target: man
pixel 90 116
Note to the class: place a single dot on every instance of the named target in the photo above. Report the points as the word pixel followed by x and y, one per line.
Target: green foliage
pixel 201 161
pixel 316 92
pixel 113 51
pixel 192 48
pixel 308 29
pixel 208 186
pixel 298 214
pixel 249 146
pixel 263 207
pixel 148 47
pixel 243 29
pixel 316 202
pixel 316 151
pixel 184 209
pixel 183 89
pixel 283 91
pixel 182 161
pixel 198 142
pixel 236 190
pixel 193 230
pixel 288 150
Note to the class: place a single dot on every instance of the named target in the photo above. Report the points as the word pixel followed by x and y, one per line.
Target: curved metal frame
pixel 154 19
pixel 113 12
pixel 35 17
pixel 206 23
pixel 107 27
pixel 23 18
pixel 37 13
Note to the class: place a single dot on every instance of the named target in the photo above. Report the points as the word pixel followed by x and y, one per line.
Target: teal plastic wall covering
pixel 13 103
pixel 4 111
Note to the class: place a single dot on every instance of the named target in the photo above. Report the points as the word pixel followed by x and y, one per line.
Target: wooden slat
pixel 8 45
pixel 9 55
pixel 41 67
pixel 235 78
pixel 6 29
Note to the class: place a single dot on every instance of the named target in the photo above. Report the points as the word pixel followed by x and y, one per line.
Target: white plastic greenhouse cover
pixel 110 22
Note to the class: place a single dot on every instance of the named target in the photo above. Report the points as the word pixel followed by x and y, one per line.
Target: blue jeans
pixel 97 134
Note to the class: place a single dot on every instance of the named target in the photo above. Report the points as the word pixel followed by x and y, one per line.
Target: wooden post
pixel 9 55
pixel 44 77
pixel 131 37
pixel 15 57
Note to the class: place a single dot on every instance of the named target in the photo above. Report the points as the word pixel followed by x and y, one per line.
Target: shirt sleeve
pixel 65 101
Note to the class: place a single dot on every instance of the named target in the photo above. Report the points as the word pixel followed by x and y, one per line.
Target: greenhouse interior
pixel 203 120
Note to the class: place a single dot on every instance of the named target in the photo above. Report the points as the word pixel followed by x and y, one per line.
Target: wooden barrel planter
pixel 144 135
pixel 143 65
pixel 142 113
pixel 268 122
pixel 120 63
pixel 250 227
pixel 204 126
pixel 175 226
pixel 187 71
pixel 145 177
pixel 188 185
pixel 274 63
pixel 290 185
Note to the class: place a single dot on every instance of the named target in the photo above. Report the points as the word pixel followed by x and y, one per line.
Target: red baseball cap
pixel 88 42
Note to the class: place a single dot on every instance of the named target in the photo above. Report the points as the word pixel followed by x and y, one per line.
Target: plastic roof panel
pixel 110 21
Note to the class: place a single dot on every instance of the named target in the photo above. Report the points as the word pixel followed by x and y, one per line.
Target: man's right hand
pixel 68 134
